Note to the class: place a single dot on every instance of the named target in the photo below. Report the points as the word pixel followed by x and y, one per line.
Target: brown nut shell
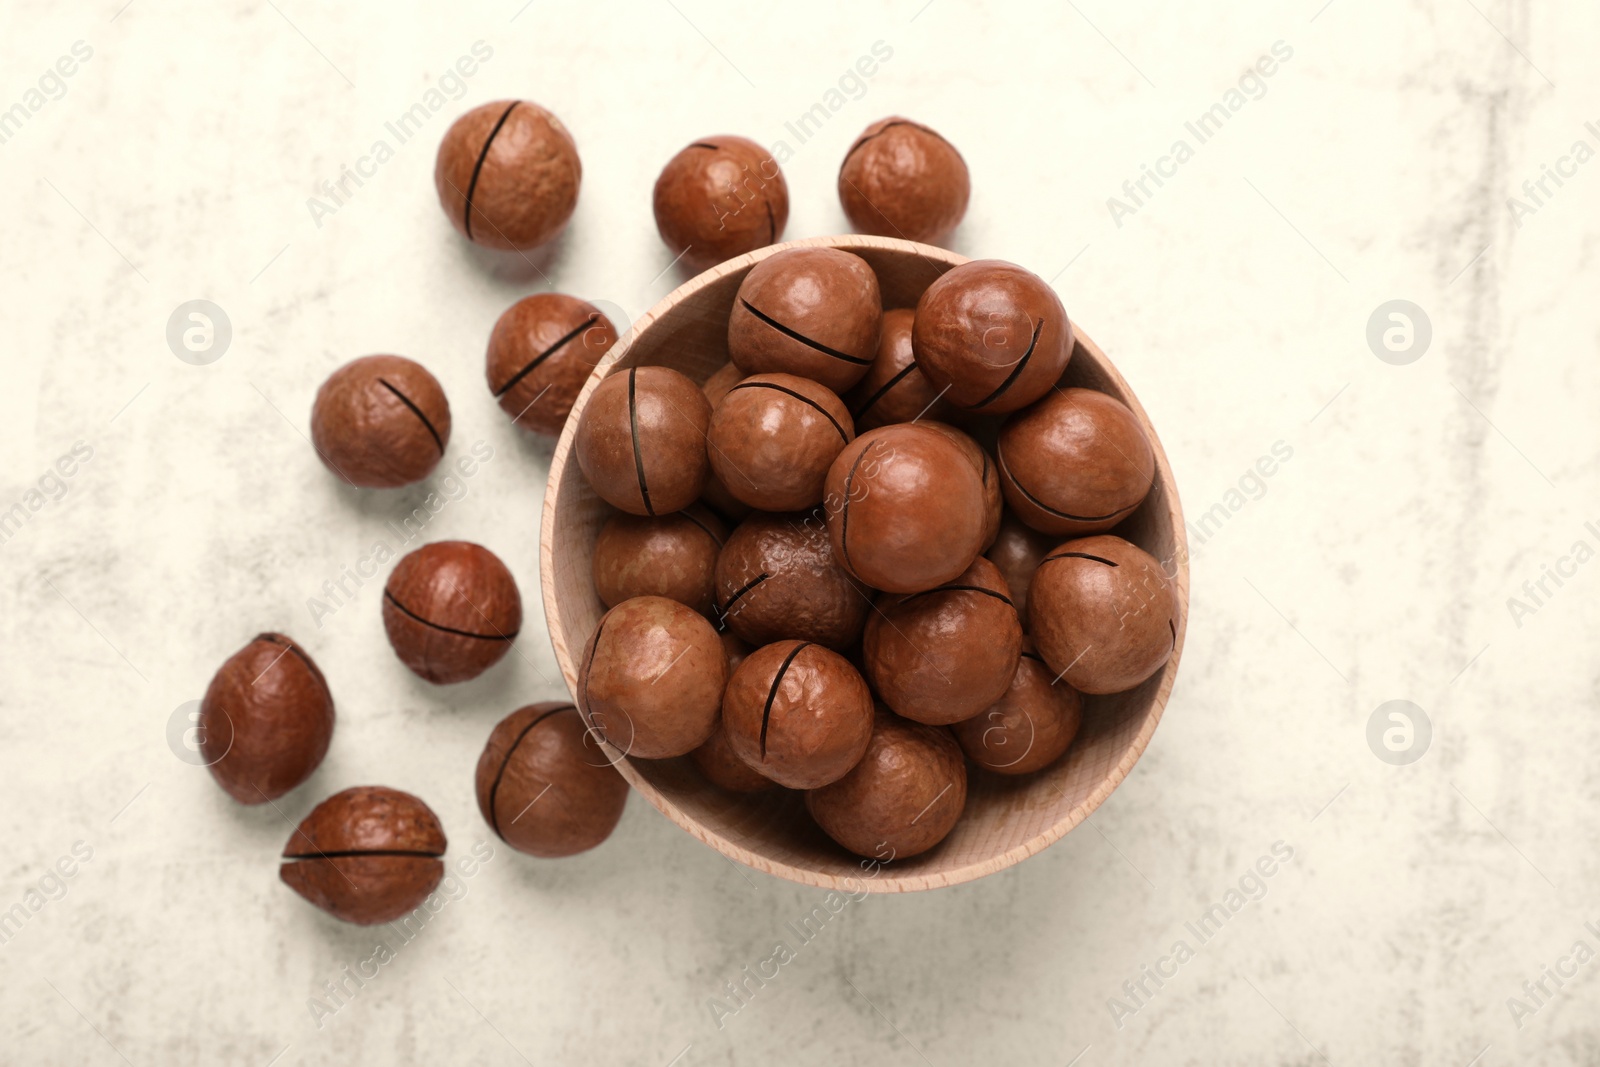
pixel 1075 463
pixel 451 610
pixel 906 508
pixel 773 438
pixel 641 441
pixel 1029 727
pixel 367 855
pixel 674 556
pixel 652 678
pixel 380 422
pixel 720 197
pixel 544 786
pixel 812 312
pixel 798 713
pixel 902 798
pixel 1016 551
pixel 1103 613
pixel 507 175
pixel 540 355
pixel 266 720
pixel 777 577
pixel 894 389
pixel 724 769
pixel 901 179
pixel 993 497
pixel 944 655
pixel 993 334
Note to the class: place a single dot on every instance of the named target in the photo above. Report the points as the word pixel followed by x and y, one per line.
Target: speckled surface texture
pixel 1421 904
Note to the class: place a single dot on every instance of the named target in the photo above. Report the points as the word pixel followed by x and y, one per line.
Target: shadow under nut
pixel 1075 463
pixel 1103 614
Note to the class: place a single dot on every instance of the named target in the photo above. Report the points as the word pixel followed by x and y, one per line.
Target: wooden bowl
pixel 1006 819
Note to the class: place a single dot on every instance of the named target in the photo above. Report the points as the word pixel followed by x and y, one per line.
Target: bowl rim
pixel 885 879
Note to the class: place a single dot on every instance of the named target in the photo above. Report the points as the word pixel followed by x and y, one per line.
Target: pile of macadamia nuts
pixel 813 586
pixel 868 551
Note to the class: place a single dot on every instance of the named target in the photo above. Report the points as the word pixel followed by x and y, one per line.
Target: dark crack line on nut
pixel 494 789
pixel 772 223
pixel 408 613
pixel 1174 628
pixel 772 694
pixel 709 531
pixel 546 354
pixel 1076 555
pixel 727 609
pixel 272 639
pixel 477 168
pixel 844 509
pixel 406 400
pixel 594 647
pixel 886 128
pixel 957 589
pixel 796 335
pixel 806 400
pixel 353 853
pixel 633 428
pixel 883 389
pixel 702 144
pixel 1016 372
pixel 1057 512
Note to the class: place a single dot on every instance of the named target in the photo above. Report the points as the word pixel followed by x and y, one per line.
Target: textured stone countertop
pixel 1425 534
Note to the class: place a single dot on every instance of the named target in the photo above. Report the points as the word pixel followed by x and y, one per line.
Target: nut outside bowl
pixel 1006 820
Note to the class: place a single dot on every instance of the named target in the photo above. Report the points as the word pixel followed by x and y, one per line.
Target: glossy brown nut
pixel 451 610
pixel 507 175
pixel 993 334
pixel 544 786
pixel 1016 551
pixel 812 312
pixel 901 179
pixel 1029 727
pixel 652 678
pixel 1103 614
pixel 716 494
pixel 674 556
pixel 380 422
pixel 540 355
pixel 777 577
pixel 266 720
pixel 798 713
pixel 642 440
pixel 944 655
pixel 720 197
pixel 367 855
pixel 904 796
pixel 894 389
pixel 993 498
pixel 1075 463
pixel 723 767
pixel 905 508
pixel 773 438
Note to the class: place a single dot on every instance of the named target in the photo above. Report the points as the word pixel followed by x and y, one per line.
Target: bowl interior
pixel 1007 819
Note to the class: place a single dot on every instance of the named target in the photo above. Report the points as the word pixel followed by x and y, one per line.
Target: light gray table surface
pixel 1397 553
